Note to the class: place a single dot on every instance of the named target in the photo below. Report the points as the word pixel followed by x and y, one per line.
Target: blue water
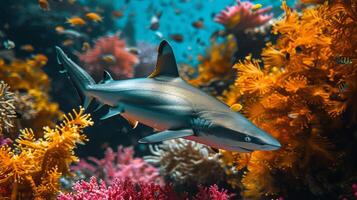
pixel 195 41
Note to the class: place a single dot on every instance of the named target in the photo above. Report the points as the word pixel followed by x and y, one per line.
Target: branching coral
pixel 7 108
pixel 242 16
pixel 33 167
pixel 126 189
pixel 182 162
pixel 31 86
pixel 120 164
pixel 109 53
pixel 300 96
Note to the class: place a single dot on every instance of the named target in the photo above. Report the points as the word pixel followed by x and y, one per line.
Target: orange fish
pixel 118 14
pixel 59 29
pixel 71 1
pixel 44 5
pixel 177 37
pixel 198 24
pixel 85 46
pixel 94 17
pixel 76 21
pixel 68 42
pixel 27 47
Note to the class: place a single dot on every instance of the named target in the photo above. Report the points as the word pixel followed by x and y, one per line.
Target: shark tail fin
pixel 80 78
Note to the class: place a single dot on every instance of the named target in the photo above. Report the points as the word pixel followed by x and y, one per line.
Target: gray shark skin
pixel 167 103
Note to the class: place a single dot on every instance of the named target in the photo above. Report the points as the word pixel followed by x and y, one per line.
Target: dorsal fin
pixel 166 62
pixel 106 77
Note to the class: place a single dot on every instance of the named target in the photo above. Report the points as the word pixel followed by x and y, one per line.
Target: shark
pixel 167 103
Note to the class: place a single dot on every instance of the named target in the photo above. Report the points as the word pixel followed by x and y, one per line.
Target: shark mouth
pixel 241 149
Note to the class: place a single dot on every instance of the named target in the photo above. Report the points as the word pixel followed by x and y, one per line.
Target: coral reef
pixel 32 168
pixel 215 69
pixel 30 86
pixel 126 189
pixel 182 162
pixel 242 16
pixel 300 96
pixel 109 53
pixel 120 164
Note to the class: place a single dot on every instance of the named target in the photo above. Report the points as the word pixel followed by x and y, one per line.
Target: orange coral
pixel 27 77
pixel 218 64
pixel 298 97
pixel 32 169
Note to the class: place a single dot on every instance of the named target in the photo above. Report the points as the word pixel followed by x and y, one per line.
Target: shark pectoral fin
pixel 112 112
pixel 87 101
pixel 166 135
pixel 166 62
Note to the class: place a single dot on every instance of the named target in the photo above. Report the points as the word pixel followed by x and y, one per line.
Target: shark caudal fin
pixel 80 78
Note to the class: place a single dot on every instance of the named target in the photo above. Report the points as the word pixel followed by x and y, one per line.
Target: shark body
pixel 167 103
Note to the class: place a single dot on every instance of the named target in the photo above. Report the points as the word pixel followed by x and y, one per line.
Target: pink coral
pixel 212 193
pixel 126 189
pixel 242 16
pixel 5 141
pixel 354 189
pixel 120 164
pixel 109 53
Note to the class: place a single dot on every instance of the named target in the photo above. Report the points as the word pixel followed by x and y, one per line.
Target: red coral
pixel 242 16
pixel 109 53
pixel 120 164
pixel 118 190
pixel 354 189
pixel 126 189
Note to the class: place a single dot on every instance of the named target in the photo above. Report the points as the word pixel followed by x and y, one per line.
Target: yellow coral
pixel 299 89
pixel 33 168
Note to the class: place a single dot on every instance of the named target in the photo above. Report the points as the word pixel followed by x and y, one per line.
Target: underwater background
pixel 288 66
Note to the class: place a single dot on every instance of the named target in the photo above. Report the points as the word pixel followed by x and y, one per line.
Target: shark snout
pixel 270 143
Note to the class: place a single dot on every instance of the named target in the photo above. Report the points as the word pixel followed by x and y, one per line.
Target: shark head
pixel 235 133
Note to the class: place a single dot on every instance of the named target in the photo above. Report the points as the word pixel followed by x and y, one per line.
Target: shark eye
pixel 247 139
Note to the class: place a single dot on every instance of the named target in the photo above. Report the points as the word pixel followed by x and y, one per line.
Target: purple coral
pixel 5 141
pixel 242 16
pixel 120 164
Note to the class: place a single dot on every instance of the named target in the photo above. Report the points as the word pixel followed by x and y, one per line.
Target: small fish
pixel 70 33
pixel 198 24
pixel 257 7
pixel 44 5
pixel 68 42
pixel 236 107
pixel 118 13
pixel 8 44
pixel 71 1
pixel 59 29
pixel 344 60
pixel 109 59
pixel 94 17
pixel 85 46
pixel 27 48
pixel 159 35
pixel 177 37
pixel 154 23
pixel 133 50
pixel 76 21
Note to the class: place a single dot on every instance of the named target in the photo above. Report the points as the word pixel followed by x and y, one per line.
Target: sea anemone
pixel 109 53
pixel 242 16
pixel 181 162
